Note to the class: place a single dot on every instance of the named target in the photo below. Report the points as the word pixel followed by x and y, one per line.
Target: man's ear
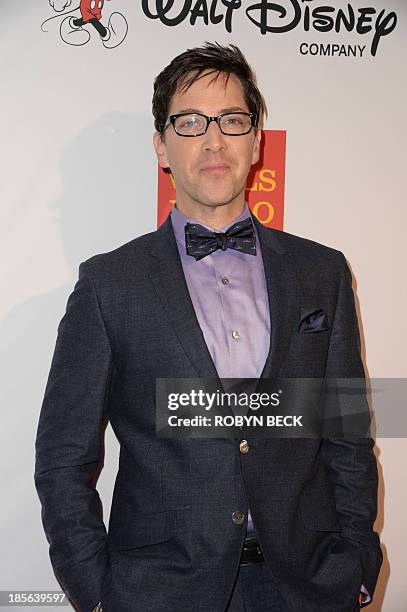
pixel 256 147
pixel 161 150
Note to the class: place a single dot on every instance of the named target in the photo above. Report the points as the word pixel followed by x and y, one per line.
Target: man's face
pixel 190 159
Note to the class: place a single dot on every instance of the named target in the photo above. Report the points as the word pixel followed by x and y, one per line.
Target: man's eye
pixel 233 121
pixel 190 123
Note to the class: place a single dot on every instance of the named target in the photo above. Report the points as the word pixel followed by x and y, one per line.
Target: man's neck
pixel 213 216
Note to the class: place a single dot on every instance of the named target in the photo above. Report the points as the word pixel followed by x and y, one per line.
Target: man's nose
pixel 214 139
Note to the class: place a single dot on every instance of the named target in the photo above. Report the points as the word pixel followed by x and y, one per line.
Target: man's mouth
pixel 215 168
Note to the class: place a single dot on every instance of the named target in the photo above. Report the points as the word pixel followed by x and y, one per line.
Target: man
pixel 206 524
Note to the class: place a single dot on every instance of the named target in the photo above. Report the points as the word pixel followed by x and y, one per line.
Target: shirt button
pixel 244 446
pixel 225 280
pixel 236 334
pixel 238 517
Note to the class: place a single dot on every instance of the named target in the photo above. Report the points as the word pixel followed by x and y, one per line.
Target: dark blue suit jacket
pixel 172 545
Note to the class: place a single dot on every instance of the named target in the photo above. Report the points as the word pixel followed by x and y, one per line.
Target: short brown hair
pixel 212 57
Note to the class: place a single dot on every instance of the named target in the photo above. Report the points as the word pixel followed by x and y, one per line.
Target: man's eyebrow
pixel 230 109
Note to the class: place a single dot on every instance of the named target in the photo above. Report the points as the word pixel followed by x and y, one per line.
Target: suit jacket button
pixel 238 517
pixel 244 446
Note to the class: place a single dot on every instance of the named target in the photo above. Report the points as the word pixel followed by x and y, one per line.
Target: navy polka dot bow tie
pixel 200 241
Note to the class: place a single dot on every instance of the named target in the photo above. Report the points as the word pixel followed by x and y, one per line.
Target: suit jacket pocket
pixel 310 345
pixel 146 529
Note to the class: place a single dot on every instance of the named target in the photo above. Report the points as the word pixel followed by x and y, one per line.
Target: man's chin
pixel 217 199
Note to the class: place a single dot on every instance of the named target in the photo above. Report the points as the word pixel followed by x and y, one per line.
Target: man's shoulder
pixel 304 250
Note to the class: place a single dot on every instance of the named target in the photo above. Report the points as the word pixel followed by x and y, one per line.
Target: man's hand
pixel 364 597
pixel 98 608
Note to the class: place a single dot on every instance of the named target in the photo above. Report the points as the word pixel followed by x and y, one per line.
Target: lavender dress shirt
pixel 229 294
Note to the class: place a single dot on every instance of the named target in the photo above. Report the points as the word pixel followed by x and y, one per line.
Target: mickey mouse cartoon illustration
pixel 72 30
pixel 91 11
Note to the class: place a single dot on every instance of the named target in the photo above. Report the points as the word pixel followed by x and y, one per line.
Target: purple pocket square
pixel 314 321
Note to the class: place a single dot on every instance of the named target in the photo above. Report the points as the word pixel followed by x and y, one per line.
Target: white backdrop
pixel 78 176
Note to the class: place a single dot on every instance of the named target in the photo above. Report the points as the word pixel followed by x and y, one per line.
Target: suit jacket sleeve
pixel 68 447
pixel 350 460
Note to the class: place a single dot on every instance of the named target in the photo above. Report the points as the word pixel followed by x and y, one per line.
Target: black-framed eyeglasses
pixel 196 124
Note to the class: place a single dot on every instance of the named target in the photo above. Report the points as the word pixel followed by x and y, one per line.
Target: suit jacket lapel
pixel 283 294
pixel 167 275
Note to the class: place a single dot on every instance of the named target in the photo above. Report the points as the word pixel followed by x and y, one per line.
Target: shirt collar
pixel 179 221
